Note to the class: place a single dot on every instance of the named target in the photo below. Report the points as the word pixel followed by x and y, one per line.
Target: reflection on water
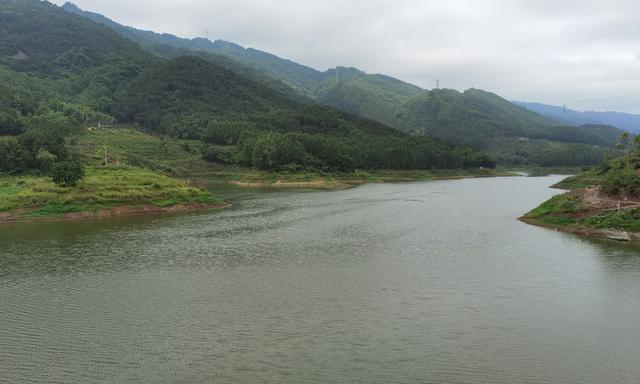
pixel 431 282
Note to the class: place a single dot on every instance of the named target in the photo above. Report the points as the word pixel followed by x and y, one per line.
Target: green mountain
pixel 62 73
pixel 32 42
pixel 302 78
pixel 512 133
pixel 47 53
pixel 477 118
pixel 375 97
pixel 351 90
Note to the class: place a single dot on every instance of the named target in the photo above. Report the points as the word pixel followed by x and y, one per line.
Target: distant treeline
pixel 278 150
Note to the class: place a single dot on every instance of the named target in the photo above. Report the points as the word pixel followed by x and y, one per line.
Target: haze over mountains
pixel 626 121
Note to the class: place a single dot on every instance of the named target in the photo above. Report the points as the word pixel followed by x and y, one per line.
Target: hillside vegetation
pixel 101 190
pixel 302 78
pixel 604 201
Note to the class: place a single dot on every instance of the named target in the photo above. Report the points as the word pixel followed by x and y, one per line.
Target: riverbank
pixel 104 192
pixel 586 210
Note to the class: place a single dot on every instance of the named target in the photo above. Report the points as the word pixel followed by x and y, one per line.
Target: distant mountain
pixel 476 115
pixel 626 121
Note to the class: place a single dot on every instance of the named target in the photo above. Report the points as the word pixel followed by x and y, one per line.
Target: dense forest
pixel 61 73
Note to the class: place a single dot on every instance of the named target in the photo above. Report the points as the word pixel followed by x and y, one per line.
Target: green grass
pixel 627 220
pixel 563 211
pixel 582 181
pixel 127 146
pixel 559 211
pixel 558 205
pixel 102 188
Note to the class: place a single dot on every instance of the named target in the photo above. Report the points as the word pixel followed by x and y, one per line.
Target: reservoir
pixel 428 282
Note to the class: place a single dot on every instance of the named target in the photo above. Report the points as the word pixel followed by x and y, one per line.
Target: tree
pixel 625 145
pixel 274 151
pixel 45 160
pixel 9 125
pixel 13 158
pixel 67 173
pixel 33 140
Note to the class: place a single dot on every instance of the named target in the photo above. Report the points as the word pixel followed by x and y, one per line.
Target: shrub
pixel 621 182
pixel 45 160
pixel 9 125
pixel 218 153
pixel 67 173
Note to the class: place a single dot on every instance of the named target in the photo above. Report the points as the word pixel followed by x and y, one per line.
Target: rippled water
pixel 423 282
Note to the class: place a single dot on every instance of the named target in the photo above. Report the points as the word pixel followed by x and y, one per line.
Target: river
pixel 430 282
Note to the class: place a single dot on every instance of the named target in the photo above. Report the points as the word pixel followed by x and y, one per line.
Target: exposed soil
pixel 598 202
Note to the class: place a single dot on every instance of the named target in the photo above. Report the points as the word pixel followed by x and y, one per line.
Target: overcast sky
pixel 585 54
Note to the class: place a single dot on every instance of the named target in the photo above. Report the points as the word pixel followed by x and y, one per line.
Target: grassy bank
pixel 102 189
pixel 587 210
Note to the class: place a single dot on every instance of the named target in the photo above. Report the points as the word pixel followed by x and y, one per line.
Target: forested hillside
pixel 476 115
pixel 62 73
pixel 476 118
pixel 300 77
pixel 514 134
pixel 375 97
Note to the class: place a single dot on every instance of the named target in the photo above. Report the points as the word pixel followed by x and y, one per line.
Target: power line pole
pixel 438 84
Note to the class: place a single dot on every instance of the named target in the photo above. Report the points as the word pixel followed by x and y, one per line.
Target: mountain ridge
pixel 627 121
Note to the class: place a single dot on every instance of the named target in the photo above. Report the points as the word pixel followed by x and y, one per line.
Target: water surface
pixel 432 282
